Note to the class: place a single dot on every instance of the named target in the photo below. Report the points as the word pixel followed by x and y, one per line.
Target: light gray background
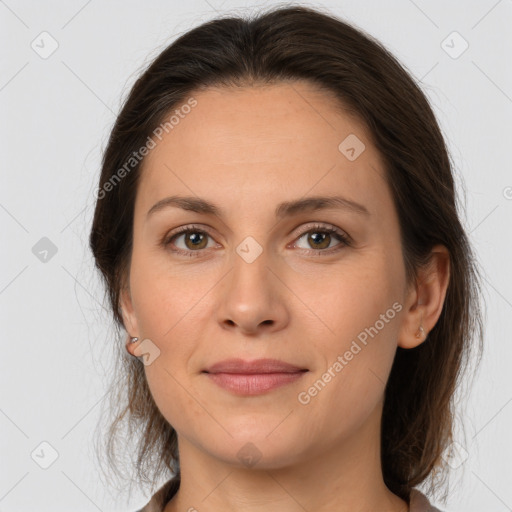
pixel 56 114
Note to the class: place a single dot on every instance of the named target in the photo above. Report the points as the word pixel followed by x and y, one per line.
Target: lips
pixel 258 366
pixel 253 377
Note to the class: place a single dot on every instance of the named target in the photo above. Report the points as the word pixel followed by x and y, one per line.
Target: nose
pixel 252 298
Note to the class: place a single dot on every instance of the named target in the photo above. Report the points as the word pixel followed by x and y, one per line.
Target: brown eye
pixel 187 241
pixel 319 240
pixel 195 240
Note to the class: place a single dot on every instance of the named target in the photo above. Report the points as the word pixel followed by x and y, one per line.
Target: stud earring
pixel 420 332
pixel 133 340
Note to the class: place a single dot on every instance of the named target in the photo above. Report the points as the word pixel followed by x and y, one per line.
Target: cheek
pixel 171 307
pixel 165 312
pixel 173 395
pixel 342 301
pixel 354 323
pixel 163 293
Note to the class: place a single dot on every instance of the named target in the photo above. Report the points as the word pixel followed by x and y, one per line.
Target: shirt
pixel 418 501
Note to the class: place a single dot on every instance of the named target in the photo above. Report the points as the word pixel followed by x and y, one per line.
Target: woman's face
pixel 246 283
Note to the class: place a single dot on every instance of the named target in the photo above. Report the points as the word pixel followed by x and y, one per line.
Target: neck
pixel 346 477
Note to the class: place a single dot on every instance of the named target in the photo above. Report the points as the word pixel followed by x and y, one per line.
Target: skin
pixel 247 150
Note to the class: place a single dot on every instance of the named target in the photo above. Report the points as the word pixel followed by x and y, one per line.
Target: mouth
pixel 253 377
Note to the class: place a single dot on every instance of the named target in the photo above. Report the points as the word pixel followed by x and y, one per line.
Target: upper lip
pixel 253 367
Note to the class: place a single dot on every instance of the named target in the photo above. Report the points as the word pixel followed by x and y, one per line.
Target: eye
pixel 320 237
pixel 194 239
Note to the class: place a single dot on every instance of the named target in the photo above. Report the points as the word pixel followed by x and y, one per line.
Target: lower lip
pixel 253 384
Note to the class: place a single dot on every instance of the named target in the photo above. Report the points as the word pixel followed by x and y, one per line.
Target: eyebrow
pixel 285 209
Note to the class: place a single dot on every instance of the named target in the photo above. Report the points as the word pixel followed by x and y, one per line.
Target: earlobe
pixel 411 338
pixel 131 345
pixel 421 333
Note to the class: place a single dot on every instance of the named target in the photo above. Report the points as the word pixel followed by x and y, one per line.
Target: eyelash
pixel 317 228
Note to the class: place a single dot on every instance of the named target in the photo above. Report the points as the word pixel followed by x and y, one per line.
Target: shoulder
pixel 162 496
pixel 418 502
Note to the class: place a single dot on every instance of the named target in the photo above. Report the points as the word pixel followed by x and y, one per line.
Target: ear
pixel 129 317
pixel 425 300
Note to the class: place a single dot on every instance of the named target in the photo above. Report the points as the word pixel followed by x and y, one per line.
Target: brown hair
pixel 299 43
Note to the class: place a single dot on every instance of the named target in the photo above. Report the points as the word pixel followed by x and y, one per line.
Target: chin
pixel 254 448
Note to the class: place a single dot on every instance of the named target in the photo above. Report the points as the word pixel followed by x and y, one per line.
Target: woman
pixel 277 230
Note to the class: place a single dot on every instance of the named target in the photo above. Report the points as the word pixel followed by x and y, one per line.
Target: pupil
pixel 195 238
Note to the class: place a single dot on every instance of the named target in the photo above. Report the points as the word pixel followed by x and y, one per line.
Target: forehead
pixel 263 143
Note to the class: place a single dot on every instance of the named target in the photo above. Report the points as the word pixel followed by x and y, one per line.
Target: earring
pixel 420 332
pixel 131 340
